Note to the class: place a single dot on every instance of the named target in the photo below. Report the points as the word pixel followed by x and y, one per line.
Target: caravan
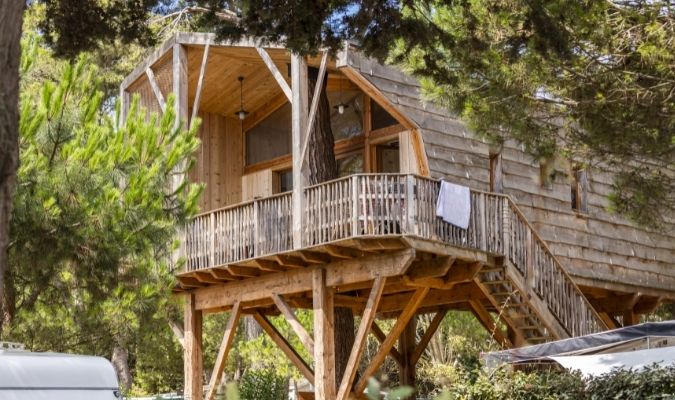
pixel 26 375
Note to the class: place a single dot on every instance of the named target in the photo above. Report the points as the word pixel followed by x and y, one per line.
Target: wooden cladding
pixel 375 205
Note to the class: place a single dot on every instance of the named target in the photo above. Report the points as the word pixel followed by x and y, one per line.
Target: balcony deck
pixel 365 215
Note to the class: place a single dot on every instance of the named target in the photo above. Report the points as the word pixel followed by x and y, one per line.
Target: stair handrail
pixel 535 236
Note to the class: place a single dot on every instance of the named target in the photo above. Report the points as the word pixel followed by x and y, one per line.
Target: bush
pixel 263 384
pixel 650 384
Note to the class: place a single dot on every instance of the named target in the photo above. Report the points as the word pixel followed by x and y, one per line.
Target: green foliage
pixel 590 80
pixel 374 392
pixel 650 383
pixel 94 220
pixel 263 384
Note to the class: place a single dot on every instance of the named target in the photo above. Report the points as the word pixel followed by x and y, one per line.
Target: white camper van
pixel 26 375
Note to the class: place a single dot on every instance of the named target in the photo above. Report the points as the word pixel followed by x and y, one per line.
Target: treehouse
pixel 538 260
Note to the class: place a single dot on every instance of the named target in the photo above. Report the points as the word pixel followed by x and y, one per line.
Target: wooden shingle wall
pixel 598 248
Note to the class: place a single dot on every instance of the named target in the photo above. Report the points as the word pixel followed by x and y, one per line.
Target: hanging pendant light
pixel 241 113
pixel 341 106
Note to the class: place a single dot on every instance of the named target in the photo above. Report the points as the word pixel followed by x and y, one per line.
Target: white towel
pixel 454 204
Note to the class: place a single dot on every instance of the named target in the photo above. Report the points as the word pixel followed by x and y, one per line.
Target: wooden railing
pixel 239 232
pixel 390 204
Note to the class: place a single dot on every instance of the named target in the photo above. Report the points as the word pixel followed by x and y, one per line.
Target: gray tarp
pixel 568 346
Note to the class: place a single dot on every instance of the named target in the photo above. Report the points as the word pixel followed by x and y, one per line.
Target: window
pixel 283 181
pixel 351 164
pixel 388 157
pixel 271 138
pixel 496 184
pixel 350 123
pixel 380 117
pixel 579 190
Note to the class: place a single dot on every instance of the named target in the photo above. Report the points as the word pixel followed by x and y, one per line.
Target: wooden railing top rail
pixel 241 204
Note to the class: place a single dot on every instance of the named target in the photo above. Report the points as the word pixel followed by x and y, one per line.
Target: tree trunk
pixel 120 361
pixel 11 18
pixel 322 167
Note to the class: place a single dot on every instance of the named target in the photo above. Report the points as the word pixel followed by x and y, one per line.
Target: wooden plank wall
pixel 219 161
pixel 598 248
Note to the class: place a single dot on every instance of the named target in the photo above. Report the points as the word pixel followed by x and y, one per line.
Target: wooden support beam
pixel 324 337
pixel 462 292
pixel 225 345
pixel 433 268
pixel 490 324
pixel 240 270
pixel 193 349
pixel 189 281
pixel 200 82
pixel 300 280
pixel 406 346
pixel 275 73
pixel 315 102
pixel 298 128
pixel 314 257
pixel 297 327
pixel 268 265
pixel 290 261
pixel 630 318
pixel 206 277
pixel 615 304
pixel 342 252
pixel 608 320
pixel 428 334
pixel 381 336
pixel 155 88
pixel 284 346
pixel 361 338
pixel 406 315
pixel 180 84
pixel 221 274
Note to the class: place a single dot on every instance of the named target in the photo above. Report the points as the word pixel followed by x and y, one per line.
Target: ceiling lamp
pixel 241 113
pixel 341 106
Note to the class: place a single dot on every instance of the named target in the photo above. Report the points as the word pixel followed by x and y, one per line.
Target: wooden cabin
pixel 541 255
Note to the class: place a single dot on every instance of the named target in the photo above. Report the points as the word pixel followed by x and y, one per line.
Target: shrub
pixel 654 383
pixel 263 384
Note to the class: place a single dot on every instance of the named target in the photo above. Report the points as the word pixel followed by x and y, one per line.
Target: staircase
pixel 531 291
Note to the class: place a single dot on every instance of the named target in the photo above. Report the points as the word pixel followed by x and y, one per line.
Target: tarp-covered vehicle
pixel 26 375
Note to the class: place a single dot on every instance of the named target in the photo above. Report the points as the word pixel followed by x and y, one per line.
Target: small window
pixel 380 118
pixel 351 164
pixel 271 138
pixel 579 190
pixel 283 181
pixel 349 123
pixel 496 184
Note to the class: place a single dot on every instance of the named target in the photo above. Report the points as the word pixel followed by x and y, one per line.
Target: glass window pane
pixel 380 117
pixel 271 138
pixel 351 164
pixel 350 122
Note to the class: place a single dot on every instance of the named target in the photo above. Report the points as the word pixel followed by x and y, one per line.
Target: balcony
pixel 368 213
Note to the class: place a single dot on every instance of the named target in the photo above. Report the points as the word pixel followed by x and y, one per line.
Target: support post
pixel 406 315
pixel 225 346
pixel 406 346
pixel 193 350
pixel 298 138
pixel 324 346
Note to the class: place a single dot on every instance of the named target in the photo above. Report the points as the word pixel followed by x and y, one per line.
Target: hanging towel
pixel 454 204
